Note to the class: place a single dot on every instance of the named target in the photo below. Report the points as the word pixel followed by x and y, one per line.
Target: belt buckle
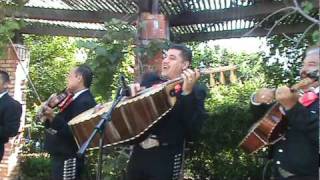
pixel 150 142
pixel 284 173
pixel 51 131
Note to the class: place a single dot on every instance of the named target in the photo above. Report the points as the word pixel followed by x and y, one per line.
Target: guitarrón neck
pixel 203 71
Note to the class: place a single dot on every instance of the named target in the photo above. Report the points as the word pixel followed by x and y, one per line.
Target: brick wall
pixel 9 168
pixel 151 27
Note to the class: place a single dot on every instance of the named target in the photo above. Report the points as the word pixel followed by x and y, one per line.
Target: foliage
pixel 115 160
pixel 114 55
pixel 248 65
pixel 8 25
pixel 148 51
pixel 285 58
pixel 106 60
pixel 216 154
pixel 35 166
pixel 51 60
pixel 108 55
pixel 287 51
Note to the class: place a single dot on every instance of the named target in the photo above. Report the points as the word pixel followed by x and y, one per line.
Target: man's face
pixel 3 85
pixel 74 80
pixel 173 64
pixel 310 63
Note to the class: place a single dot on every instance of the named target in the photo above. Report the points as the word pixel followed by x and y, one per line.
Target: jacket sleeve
pixel 60 123
pixel 192 111
pixel 301 118
pixel 11 119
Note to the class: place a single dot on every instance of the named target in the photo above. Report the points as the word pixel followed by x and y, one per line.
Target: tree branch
pixel 266 18
pixel 298 8
pixel 278 21
pixel 289 38
pixel 304 33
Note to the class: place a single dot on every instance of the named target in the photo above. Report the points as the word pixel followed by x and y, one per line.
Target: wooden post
pixel 222 79
pixel 233 76
pixel 212 80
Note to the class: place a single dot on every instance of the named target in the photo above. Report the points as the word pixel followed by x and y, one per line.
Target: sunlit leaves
pixel 8 25
pixel 285 58
pixel 51 60
pixel 307 6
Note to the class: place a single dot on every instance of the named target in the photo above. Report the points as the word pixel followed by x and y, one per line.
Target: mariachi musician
pixel 59 141
pixel 160 154
pixel 296 155
pixel 10 112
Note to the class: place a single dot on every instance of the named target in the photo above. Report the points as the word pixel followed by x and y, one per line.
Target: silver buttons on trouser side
pixel 69 169
pixel 177 165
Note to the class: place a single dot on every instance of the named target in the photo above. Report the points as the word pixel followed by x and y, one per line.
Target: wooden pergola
pixel 189 20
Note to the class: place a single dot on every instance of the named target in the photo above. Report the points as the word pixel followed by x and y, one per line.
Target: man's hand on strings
pixel 48 113
pixel 135 89
pixel 286 97
pixel 264 96
pixel 190 78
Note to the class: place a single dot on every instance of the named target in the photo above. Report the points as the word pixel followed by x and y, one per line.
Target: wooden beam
pixel 259 32
pixel 258 10
pixel 90 33
pixel 67 15
pixel 52 30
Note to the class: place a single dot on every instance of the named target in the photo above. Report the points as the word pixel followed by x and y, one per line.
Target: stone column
pixel 152 27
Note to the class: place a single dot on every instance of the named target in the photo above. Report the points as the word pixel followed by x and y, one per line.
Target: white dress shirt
pixel 2 94
pixel 78 93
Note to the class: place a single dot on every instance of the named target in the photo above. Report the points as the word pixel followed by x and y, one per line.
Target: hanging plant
pixel 8 25
pixel 114 54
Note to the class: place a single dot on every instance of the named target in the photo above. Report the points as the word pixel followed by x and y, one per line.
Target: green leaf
pixel 307 6
pixel 316 37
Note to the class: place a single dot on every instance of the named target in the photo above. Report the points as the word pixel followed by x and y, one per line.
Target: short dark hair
pixel 185 51
pixel 86 73
pixel 313 50
pixel 4 76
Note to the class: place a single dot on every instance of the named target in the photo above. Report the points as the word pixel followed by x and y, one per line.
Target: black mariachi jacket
pixel 62 142
pixel 298 153
pixel 10 114
pixel 184 121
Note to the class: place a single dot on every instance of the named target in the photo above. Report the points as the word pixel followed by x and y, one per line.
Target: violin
pixel 59 100
pixel 272 126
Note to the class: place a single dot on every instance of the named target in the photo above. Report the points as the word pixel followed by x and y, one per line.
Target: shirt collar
pixel 2 94
pixel 78 93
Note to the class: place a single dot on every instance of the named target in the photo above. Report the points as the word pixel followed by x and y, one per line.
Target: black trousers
pixel 158 163
pixel 299 178
pixel 68 167
pixel 1 151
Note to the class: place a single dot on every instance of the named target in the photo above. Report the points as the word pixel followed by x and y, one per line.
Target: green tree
pixel 8 25
pixel 216 155
pixel 109 56
pixel 284 61
pixel 51 60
